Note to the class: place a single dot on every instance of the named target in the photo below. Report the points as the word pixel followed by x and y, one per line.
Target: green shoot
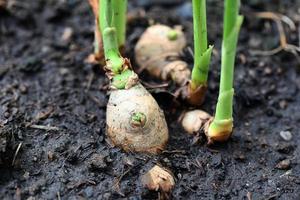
pixel 113 31
pixel 120 9
pixel 201 50
pixel 221 127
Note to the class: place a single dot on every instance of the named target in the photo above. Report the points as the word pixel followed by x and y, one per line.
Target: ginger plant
pixel 222 125
pixel 202 53
pixel 158 52
pixel 134 120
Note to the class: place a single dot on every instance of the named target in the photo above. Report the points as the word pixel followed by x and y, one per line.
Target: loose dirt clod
pixel 158 179
pixel 97 162
pixel 158 51
pixel 195 120
pixel 51 156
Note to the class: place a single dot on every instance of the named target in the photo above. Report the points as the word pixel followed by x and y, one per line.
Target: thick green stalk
pixel 114 61
pixel 119 20
pixel 201 50
pixel 232 22
pixel 109 34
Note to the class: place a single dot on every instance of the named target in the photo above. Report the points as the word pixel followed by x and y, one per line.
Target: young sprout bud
pixel 124 80
pixel 172 35
pixel 135 122
pixel 195 120
pixel 157 51
pixel 219 131
pixel 138 119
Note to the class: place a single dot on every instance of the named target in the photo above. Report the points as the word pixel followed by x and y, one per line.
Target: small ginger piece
pixel 157 51
pixel 158 179
pixel 195 120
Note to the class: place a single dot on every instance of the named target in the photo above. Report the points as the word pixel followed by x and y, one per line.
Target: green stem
pixel 112 25
pixel 200 30
pixel 109 34
pixel 111 51
pixel 232 24
pixel 201 50
pixel 120 9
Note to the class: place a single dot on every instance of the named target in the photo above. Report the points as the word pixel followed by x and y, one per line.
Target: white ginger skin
pixel 195 120
pixel 153 49
pixel 158 178
pixel 149 137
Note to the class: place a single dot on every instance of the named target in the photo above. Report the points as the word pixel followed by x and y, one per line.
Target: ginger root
pixel 157 51
pixel 135 122
pixel 195 120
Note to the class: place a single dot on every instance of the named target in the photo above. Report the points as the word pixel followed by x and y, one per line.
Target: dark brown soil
pixel 45 81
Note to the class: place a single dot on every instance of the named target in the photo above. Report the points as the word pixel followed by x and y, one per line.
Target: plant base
pixel 219 131
pixel 196 96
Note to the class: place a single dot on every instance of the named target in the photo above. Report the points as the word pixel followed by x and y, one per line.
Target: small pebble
pixel 64 71
pixel 286 135
pixel 268 71
pixel 26 175
pixel 6 114
pixel 23 88
pixel 283 104
pixel 67 34
pixel 284 164
pixel 240 156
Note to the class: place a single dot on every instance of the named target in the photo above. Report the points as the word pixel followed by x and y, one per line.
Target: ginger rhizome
pixel 158 50
pixel 134 120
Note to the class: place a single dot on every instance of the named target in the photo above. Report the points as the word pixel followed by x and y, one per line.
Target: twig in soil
pixel 277 16
pixel 47 128
pixel 249 195
pixel 16 153
pixel 90 80
pixel 45 114
pixel 278 19
pixel 96 100
pixel 116 185
pixel 299 35
pixel 58 196
pixel 152 86
pixel 18 194
pixel 174 152
pixel 213 150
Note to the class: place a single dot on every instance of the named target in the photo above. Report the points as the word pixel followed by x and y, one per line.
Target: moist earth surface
pixel 53 106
